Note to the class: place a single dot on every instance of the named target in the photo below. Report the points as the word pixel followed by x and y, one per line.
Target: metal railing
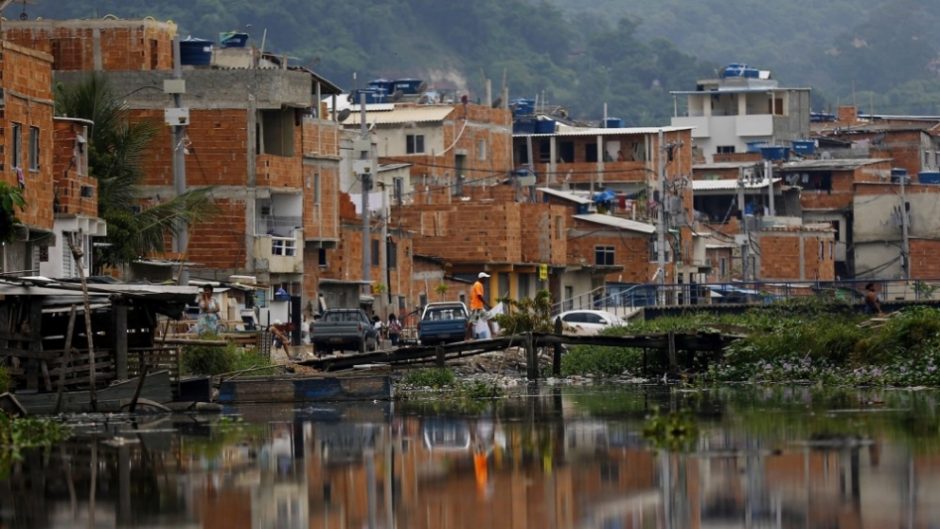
pixel 620 297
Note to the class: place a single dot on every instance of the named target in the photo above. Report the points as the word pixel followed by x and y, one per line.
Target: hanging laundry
pixel 20 178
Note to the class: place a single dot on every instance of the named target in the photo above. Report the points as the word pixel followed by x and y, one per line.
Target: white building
pixel 740 109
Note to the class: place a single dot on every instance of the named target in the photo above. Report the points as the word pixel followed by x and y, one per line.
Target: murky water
pixel 571 458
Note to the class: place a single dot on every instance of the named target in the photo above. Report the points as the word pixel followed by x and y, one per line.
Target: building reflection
pixel 569 471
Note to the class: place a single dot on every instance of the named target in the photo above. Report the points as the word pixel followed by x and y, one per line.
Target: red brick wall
pixel 631 251
pixel 476 232
pixel 320 137
pixel 26 78
pixel 780 256
pixel 321 220
pixel 124 44
pixel 220 243
pixel 924 258
pixel 69 176
pixel 283 171
pixel 544 233
pixel 218 148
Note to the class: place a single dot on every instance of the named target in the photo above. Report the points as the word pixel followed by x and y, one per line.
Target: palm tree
pixel 115 149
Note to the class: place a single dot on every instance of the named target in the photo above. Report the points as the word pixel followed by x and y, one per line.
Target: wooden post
pixel 66 359
pixel 556 353
pixel 119 328
pixel 671 344
pixel 35 342
pixel 77 254
pixel 532 360
pixel 439 354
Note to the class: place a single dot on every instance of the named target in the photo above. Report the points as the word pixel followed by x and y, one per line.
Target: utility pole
pixel 905 241
pixel 383 250
pixel 178 118
pixel 769 171
pixel 661 217
pixel 365 174
pixel 747 235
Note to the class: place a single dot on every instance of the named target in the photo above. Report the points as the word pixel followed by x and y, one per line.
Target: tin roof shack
pixel 26 160
pixel 877 231
pixel 35 320
pixel 447 145
pixel 913 148
pixel 827 190
pixel 729 113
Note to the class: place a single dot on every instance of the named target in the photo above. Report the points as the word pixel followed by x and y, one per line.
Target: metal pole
pixel 770 187
pixel 661 218
pixel 905 248
pixel 179 165
pixel 383 249
pixel 366 187
pixel 747 237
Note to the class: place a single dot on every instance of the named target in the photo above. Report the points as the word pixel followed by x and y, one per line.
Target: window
pixel 17 145
pixel 722 267
pixel 284 246
pixel 590 152
pixel 822 251
pixel 726 149
pixel 398 183
pixel 545 150
pixel 34 148
pixel 414 143
pixel 604 255
pixel 481 150
pixel 276 132
pixel 832 255
pixel 321 257
pixel 316 188
pixel 375 252
pixel 566 151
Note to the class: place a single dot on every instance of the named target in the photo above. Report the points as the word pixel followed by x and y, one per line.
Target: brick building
pixel 26 150
pixel 801 253
pixel 75 201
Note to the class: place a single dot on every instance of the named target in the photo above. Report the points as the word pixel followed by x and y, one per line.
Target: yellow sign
pixel 543 272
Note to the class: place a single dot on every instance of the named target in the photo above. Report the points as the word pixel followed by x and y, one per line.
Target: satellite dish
pixel 343 114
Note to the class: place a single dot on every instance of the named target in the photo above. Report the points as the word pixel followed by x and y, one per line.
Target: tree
pixel 116 147
pixel 11 199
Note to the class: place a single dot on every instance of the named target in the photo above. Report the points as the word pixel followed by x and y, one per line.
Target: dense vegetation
pixel 811 342
pixel 880 54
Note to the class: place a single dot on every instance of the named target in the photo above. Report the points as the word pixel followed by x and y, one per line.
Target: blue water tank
pixel 755 146
pixel 614 123
pixel 929 177
pixel 774 152
pixel 407 86
pixel 545 126
pixel 523 126
pixel 382 84
pixel 373 95
pixel 522 107
pixel 233 39
pixel 804 147
pixel 195 52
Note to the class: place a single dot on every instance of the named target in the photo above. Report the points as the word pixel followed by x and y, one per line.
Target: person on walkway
pixel 872 305
pixel 208 322
pixel 394 329
pixel 478 304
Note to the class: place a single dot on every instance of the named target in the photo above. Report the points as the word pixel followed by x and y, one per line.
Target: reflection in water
pixel 779 458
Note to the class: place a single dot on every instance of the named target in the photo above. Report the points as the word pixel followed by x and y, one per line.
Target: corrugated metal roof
pixel 397 116
pixel 565 195
pixel 724 165
pixel 831 164
pixel 617 222
pixel 737 90
pixel 564 130
pixel 726 184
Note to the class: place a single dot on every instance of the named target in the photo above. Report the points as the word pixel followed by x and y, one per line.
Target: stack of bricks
pixel 87 45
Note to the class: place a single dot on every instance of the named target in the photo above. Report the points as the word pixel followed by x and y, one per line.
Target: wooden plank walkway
pixel 666 344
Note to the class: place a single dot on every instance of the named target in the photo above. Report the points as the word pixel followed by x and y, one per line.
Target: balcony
pixel 279 254
pixel 585 172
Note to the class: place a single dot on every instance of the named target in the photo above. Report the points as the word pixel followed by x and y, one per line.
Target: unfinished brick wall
pixel 220 242
pixel 320 137
pixel 321 215
pixel 924 261
pixel 87 45
pixel 76 192
pixel 780 255
pixel 631 251
pixel 26 80
pixel 218 148
pixel 544 234
pixel 282 171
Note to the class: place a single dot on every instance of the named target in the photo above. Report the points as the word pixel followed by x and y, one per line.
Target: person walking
pixel 478 304
pixel 394 329
pixel 872 305
pixel 208 322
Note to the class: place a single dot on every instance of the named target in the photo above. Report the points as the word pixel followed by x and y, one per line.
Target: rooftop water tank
pixel 613 123
pixel 929 177
pixel 804 147
pixel 233 39
pixel 195 52
pixel 407 86
pixel 545 126
pixel 774 152
pixel 755 146
pixel 382 84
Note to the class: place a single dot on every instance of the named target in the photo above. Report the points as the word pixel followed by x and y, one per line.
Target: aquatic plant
pixel 433 377
pixel 18 434
pixel 674 431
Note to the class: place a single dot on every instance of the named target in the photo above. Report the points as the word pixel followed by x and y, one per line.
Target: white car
pixel 588 322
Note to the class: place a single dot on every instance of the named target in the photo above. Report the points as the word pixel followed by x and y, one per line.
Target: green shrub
pixel 600 360
pixel 430 378
pixel 912 333
pixel 208 359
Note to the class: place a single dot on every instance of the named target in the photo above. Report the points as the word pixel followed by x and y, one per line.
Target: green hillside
pixel 627 53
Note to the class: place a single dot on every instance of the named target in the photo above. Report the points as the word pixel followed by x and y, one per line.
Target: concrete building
pixel 729 113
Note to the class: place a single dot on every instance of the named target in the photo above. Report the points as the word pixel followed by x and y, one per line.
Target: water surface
pixel 777 457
